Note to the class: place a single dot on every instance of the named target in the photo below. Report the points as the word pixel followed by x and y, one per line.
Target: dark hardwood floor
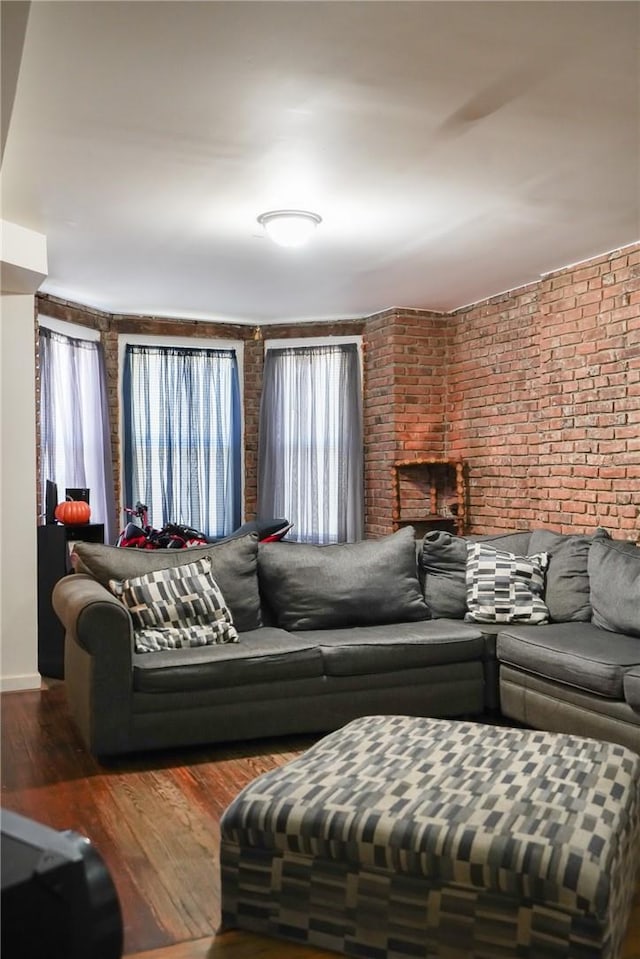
pixel 155 821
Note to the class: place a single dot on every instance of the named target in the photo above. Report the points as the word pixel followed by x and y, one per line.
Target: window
pixel 182 436
pixel 310 455
pixel 75 440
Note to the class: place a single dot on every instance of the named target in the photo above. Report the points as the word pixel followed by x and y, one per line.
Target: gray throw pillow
pixel 349 584
pixel 234 566
pixel 614 576
pixel 567 588
pixel 444 561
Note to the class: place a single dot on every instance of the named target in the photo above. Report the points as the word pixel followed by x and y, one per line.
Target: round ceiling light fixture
pixel 289 227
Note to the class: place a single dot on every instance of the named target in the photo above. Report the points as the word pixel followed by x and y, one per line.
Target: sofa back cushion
pixel 349 584
pixel 567 589
pixel 444 562
pixel 516 542
pixel 234 567
pixel 614 577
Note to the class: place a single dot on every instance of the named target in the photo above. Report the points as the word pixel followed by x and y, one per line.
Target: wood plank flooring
pixel 155 821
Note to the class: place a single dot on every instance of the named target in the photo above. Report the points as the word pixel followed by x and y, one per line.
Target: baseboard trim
pixel 9 684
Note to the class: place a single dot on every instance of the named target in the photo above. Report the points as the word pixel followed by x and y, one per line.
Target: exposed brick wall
pixel 59 309
pixel 404 401
pixel 253 364
pixel 379 428
pixel 544 394
pixel 538 390
pixel 492 406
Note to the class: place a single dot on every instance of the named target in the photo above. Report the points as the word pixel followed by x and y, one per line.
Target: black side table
pixel 54 542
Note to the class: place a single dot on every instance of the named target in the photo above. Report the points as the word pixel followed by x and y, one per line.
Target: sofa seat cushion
pixel 262 655
pixel 490 633
pixel 578 654
pixel 631 687
pixel 360 650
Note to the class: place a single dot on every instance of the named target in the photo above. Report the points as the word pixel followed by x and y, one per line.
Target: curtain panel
pixel 75 434
pixel 182 436
pixel 310 461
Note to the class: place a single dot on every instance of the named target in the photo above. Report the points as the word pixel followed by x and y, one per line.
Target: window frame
pixel 180 342
pixel 304 342
pixel 76 331
pixel 292 343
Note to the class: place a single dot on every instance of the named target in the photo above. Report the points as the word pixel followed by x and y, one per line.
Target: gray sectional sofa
pixel 328 634
pixel 580 671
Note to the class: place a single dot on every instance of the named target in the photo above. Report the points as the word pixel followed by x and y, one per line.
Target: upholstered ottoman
pixel 404 837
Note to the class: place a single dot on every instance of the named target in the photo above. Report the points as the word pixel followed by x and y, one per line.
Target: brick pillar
pixel 404 402
pixel 253 367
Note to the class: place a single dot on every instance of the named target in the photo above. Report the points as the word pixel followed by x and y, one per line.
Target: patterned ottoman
pixel 403 837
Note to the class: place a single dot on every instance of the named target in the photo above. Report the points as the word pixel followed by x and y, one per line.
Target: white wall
pixel 18 498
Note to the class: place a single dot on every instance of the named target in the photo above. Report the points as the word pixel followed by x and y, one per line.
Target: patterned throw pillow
pixel 503 587
pixel 179 606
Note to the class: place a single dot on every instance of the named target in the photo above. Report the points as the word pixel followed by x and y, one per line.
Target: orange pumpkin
pixel 73 512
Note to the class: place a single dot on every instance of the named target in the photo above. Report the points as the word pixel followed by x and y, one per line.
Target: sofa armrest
pixel 93 617
pixel 98 661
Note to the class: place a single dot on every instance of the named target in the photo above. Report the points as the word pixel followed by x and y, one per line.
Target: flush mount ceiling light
pixel 289 227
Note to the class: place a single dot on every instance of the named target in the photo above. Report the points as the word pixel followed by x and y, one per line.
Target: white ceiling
pixel 455 150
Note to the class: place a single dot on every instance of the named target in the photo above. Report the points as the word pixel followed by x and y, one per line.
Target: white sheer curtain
pixel 182 429
pixel 310 464
pixel 74 422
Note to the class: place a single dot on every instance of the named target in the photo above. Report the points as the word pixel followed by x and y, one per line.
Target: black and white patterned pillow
pixel 179 606
pixel 503 587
